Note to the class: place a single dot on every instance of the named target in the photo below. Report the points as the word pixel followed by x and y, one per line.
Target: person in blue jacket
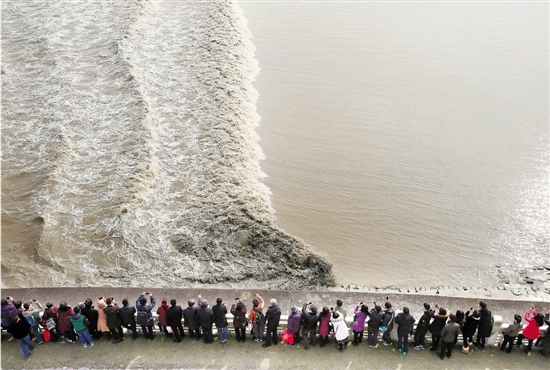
pixel 141 305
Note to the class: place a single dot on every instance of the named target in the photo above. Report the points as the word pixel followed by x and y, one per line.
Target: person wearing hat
pixel 191 320
pixel 294 323
pixel 206 320
pixel 311 318
pixel 161 311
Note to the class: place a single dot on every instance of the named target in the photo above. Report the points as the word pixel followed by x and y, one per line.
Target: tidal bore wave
pixel 130 156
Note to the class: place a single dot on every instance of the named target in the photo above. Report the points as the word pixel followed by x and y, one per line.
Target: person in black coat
pixel 485 326
pixel 422 328
pixel 191 320
pixel 373 325
pixel 128 318
pixel 92 315
pixel 440 320
pixel 173 320
pixel 310 318
pixel 460 319
pixel 471 322
pixel 220 312
pixel 20 328
pixel 405 322
pixel 272 318
pixel 206 320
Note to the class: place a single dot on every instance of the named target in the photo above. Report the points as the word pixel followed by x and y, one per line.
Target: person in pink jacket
pixel 532 330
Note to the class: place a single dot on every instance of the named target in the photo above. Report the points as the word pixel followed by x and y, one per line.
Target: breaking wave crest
pixel 132 127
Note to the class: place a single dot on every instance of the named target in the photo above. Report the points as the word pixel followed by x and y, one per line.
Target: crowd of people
pixel 84 323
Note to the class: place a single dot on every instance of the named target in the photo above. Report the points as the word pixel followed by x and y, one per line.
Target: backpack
pixel 142 318
pixel 31 320
pixel 387 319
pixel 260 317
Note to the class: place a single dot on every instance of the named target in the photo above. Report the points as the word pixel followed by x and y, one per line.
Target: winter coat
pixel 273 316
pixel 513 329
pixel 294 322
pixel 92 315
pixel 405 322
pixel 102 318
pixel 5 315
pixel 310 320
pixel 161 311
pixel 220 310
pixel 79 322
pixel 470 325
pixel 375 319
pixel 50 313
pixel 389 315
pixel 239 317
pixel 147 308
pixel 450 332
pixel 191 318
pixel 439 322
pixel 341 331
pixel 206 317
pixel 424 323
pixel 128 315
pixel 34 313
pixel 20 329
pixel 485 323
pixel 547 333
pixel 360 317
pixel 324 327
pixel 532 330
pixel 113 316
pixel 173 316
pixel 64 323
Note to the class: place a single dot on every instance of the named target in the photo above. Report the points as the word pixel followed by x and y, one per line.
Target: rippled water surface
pixel 407 141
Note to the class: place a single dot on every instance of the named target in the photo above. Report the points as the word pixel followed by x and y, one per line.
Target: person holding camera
pixel 405 322
pixel 112 313
pixel 311 318
pixel 128 318
pixel 373 325
pixel 361 311
pixel 485 326
pixel 341 331
pixel 145 314
pixel 93 317
pixel 32 315
pixel 324 326
pixel 440 319
pixel 238 309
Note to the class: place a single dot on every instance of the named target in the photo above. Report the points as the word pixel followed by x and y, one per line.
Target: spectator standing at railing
pixel 405 322
pixel 295 323
pixel 238 310
pixel 128 318
pixel 341 331
pixel 485 326
pixel 64 324
pixel 422 328
pixel 206 320
pixel 20 331
pixel 532 330
pixel 341 309
pixel 272 318
pixel 112 313
pixel 361 311
pixel 161 311
pixel 173 318
pixel 310 319
pixel 257 318
pixel 469 329
pixel 460 319
pixel 191 320
pixel 511 333
pixel 92 315
pixel 546 340
pixel 80 324
pixel 32 315
pixel 448 335
pixel 7 306
pixel 324 326
pixel 220 312
pixel 145 318
pixel 387 321
pixel 51 313
pixel 373 325
pixel 102 327
pixel 440 319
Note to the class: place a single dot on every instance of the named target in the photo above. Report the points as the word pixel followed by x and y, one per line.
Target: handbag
pixel 287 337
pixel 50 324
pixel 47 336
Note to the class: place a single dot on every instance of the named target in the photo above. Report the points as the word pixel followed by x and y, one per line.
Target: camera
pixel 237 298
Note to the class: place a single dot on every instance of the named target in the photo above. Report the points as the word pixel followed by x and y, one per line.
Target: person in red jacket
pixel 161 311
pixel 532 330
pixel 64 313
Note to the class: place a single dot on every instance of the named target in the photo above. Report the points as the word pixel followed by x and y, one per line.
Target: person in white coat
pixel 341 331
